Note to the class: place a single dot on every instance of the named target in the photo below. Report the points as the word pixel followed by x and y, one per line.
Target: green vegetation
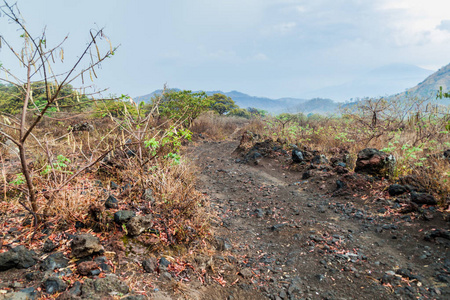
pixel 222 104
pixel 254 112
pixel 184 106
pixel 442 94
pixel 414 130
pixel 240 112
pixel 68 100
pixel 248 113
pixel 115 107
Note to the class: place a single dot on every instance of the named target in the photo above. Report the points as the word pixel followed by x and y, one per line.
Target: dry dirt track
pixel 283 239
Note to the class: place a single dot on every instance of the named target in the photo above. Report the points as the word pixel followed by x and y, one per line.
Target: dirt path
pixel 281 239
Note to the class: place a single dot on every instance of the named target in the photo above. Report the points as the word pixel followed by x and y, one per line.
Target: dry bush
pixel 413 130
pixel 184 210
pixel 433 175
pixel 72 203
pixel 216 127
pixel 257 126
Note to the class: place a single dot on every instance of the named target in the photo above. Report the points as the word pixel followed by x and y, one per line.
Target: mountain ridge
pixel 280 105
pixel 426 88
pixel 429 87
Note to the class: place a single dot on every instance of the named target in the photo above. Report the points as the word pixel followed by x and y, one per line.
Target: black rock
pixel 33 275
pixel 149 265
pixel 102 262
pixel 259 213
pixel 397 189
pixel 114 185
pixel 54 261
pixel 123 216
pixel 30 293
pixel 164 262
pixel 320 277
pixel 138 224
pixel 306 175
pixel 341 164
pixel 389 278
pixel 447 153
pixel 130 153
pixel 49 246
pixel 297 156
pixel 319 159
pixel 374 162
pixel 75 290
pixel 223 244
pixel 340 184
pixel 54 285
pixel 277 227
pixel 111 202
pixel 437 233
pixel 79 225
pixel 254 157
pixel 85 244
pixel 423 198
pixel 95 272
pixel 18 257
pixel 134 297
pixel 85 126
pixel 93 288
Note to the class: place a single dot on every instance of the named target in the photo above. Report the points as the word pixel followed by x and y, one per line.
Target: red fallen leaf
pixel 220 280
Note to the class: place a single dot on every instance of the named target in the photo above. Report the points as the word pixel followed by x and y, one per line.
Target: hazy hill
pixel 380 82
pixel 316 105
pixel 388 80
pixel 244 101
pixel 428 88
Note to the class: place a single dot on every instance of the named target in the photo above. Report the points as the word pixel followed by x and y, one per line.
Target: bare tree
pixel 38 60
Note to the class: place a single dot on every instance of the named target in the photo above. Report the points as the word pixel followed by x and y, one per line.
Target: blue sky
pixel 273 48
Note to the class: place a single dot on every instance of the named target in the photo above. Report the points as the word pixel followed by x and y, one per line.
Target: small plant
pixel 153 146
pixel 175 157
pixel 20 179
pixel 60 165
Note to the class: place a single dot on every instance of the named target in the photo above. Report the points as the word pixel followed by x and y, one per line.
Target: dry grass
pixel 418 147
pixel 182 210
pixel 216 127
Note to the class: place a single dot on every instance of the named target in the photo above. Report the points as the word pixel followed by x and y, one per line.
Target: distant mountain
pixel 428 88
pixel 316 105
pixel 245 101
pixel 380 82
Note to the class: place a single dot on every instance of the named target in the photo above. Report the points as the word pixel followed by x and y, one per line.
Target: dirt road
pixel 285 238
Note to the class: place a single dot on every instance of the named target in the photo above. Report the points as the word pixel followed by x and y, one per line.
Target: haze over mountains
pixel 380 82
pixel 391 80
pixel 428 87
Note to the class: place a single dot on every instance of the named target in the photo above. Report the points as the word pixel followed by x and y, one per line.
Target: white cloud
pixel 260 57
pixel 444 25
pixel 416 22
pixel 300 9
pixel 280 28
pixel 222 55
